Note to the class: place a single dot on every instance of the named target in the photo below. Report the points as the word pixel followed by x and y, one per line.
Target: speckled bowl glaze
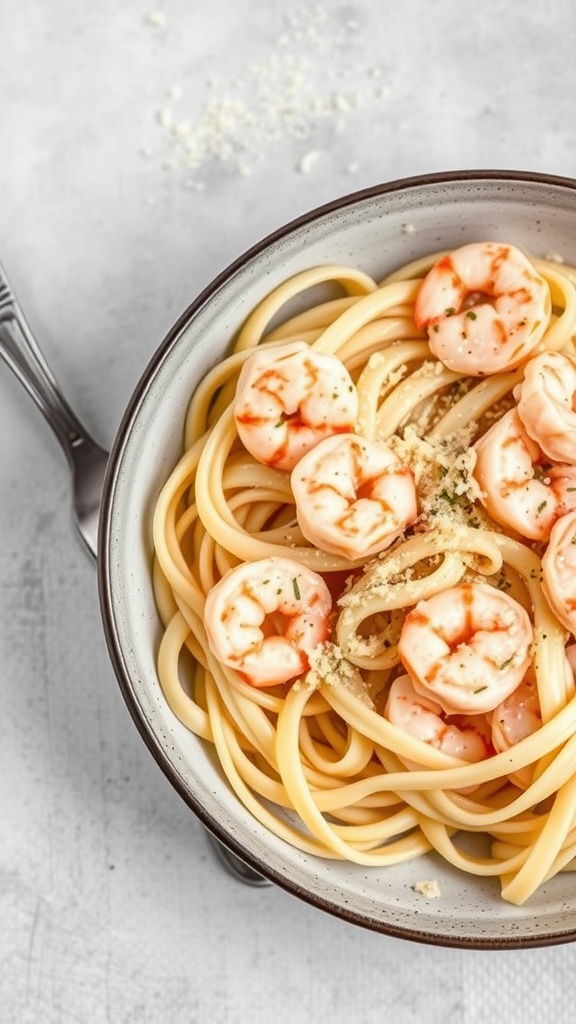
pixel 377 229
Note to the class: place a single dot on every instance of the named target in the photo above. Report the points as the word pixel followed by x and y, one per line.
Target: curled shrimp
pixel 546 404
pixel 559 571
pixel 353 496
pixel 517 717
pixel 466 647
pixel 507 463
pixel 485 308
pixel 465 736
pixel 290 397
pixel 263 618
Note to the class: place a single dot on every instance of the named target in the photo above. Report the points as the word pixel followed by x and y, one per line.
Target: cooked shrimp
pixel 547 402
pixel 263 618
pixel 485 307
pixel 464 736
pixel 507 462
pixel 515 718
pixel 288 398
pixel 466 647
pixel 353 496
pixel 559 571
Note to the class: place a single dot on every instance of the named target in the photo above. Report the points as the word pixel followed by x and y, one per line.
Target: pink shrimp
pixel 517 717
pixel 485 307
pixel 559 571
pixel 465 736
pixel 467 647
pixel 507 461
pixel 547 403
pixel 263 619
pixel 353 496
pixel 290 397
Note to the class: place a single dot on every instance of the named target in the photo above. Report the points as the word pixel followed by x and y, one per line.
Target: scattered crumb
pixel 554 257
pixel 165 117
pixel 428 888
pixel 157 19
pixel 328 666
pixel 306 163
pixel 287 93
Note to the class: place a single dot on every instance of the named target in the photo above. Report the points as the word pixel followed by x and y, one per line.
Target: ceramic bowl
pixel 377 229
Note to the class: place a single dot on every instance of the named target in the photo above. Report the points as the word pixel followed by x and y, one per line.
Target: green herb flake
pixel 541 507
pixel 506 663
pixel 296 588
pixel 471 314
pixel 447 497
pixel 481 689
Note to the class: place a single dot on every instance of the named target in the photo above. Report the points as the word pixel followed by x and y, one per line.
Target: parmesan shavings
pixel 329 666
pixel 443 469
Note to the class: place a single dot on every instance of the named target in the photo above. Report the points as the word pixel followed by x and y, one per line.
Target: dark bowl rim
pixel 104 581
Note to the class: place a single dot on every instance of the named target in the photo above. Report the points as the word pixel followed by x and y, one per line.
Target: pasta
pixel 317 760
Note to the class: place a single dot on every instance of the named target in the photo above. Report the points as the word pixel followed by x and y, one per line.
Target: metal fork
pixel 86 459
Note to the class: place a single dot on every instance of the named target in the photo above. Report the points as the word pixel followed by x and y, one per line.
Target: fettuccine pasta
pixel 320 759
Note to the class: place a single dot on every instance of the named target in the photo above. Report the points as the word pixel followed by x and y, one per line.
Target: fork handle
pixel 21 352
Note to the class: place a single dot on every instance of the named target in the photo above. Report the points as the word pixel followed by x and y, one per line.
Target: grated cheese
pixel 306 163
pixel 285 94
pixel 157 19
pixel 329 666
pixel 428 887
pixel 443 469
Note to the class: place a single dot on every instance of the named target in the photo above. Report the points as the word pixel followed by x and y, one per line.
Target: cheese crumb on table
pixel 157 19
pixel 428 887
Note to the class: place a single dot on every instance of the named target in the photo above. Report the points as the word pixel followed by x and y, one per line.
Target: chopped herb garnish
pixel 481 689
pixel 447 497
pixel 541 507
pixel 471 314
pixel 296 589
pixel 450 311
pixel 506 663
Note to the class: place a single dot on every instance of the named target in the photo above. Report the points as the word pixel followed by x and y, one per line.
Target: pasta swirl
pixel 319 761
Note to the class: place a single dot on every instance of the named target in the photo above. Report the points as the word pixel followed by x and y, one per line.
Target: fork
pixel 86 459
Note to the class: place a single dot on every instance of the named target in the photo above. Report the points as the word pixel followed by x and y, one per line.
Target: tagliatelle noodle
pixel 315 761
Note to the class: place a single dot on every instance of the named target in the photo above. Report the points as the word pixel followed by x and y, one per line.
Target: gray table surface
pixel 142 148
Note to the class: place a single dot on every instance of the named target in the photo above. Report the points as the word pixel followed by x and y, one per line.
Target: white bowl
pixel 378 230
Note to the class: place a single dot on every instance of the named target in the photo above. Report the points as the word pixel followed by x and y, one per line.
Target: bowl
pixel 377 229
